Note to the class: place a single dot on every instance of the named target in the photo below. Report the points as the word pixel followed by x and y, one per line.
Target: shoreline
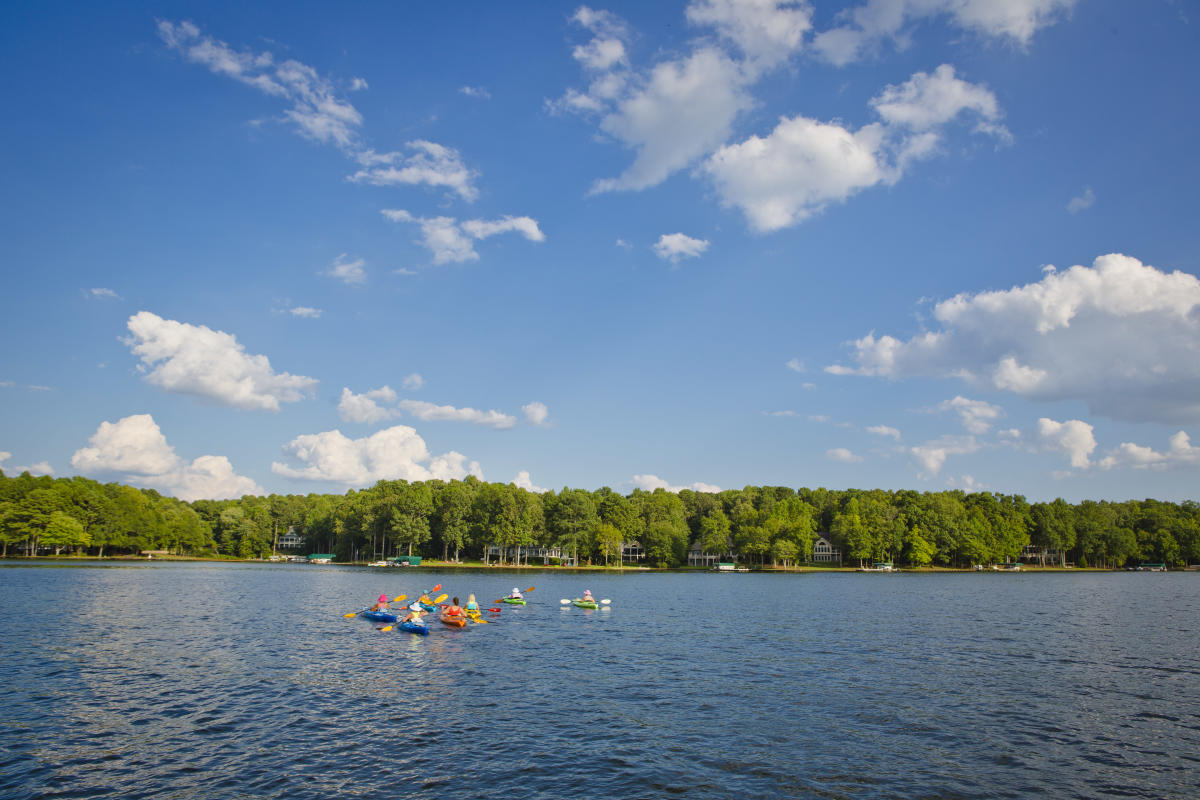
pixel 479 566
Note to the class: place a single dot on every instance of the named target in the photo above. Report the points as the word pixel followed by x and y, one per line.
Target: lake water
pixel 245 681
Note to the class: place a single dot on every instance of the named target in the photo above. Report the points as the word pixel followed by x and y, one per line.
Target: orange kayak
pixel 454 622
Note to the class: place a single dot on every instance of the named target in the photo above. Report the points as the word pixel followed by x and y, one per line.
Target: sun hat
pixel 383 598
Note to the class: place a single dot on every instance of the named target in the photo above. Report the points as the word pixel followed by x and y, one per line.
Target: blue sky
pixel 892 243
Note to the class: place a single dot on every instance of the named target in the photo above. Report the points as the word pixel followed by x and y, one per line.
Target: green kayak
pixel 585 603
pixel 516 601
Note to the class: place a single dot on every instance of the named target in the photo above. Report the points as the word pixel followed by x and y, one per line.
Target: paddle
pixel 400 598
pixel 440 598
pixel 386 629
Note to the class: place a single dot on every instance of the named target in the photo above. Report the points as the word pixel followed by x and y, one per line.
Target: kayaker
pixel 414 614
pixel 516 594
pixel 454 610
pixel 381 604
pixel 471 604
pixel 587 596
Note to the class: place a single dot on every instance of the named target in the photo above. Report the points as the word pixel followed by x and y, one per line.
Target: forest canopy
pixel 472 519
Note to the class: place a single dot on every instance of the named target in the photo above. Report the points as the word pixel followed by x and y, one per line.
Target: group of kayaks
pixel 392 618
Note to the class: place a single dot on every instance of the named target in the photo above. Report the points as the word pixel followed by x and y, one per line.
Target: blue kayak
pixel 378 616
pixel 415 627
pixel 429 607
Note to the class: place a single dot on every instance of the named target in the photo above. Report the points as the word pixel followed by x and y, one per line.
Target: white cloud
pixel 358 84
pixel 803 165
pixel 431 412
pixel 395 453
pixel 670 114
pixel 316 110
pixel 40 468
pixel 380 404
pixel 104 293
pixel 451 241
pixel 535 413
pixel 475 91
pixel 135 449
pixel 365 407
pixel 932 455
pixel 884 430
pixel 795 365
pixel 523 481
pixel 1073 438
pixel 305 311
pixel 652 482
pixel 196 360
pixel 348 272
pixel 875 21
pixel 413 382
pixel 1085 200
pixel 928 101
pixel 1179 454
pixel 843 455
pixel 681 110
pixel 977 416
pixel 1120 336
pixel 427 163
pixel 674 246
pixel 766 31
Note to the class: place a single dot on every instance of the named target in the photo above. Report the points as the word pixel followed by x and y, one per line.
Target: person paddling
pixel 381 604
pixel 472 605
pixel 454 610
pixel 516 594
pixel 414 614
pixel 587 596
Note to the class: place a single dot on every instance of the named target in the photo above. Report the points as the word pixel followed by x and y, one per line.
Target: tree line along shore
pixel 499 523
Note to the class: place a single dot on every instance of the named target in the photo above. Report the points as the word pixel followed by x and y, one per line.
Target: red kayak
pixel 453 622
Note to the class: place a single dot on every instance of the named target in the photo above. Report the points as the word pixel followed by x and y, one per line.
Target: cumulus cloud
pixel 652 482
pixel 413 382
pixel 977 416
pixel 536 413
pixel 931 456
pixel 669 115
pixel 679 112
pixel 396 453
pixel 523 481
pixel 365 407
pixel 316 110
pixel 1121 336
pixel 213 365
pixel 1085 200
pixel 843 455
pixel 348 272
pixel 380 404
pixel 1073 438
pixel 765 31
pixel 425 163
pixel 452 241
pixel 884 430
pixel 135 450
pixel 864 28
pixel 804 164
pixel 40 468
pixel 674 246
pixel 1180 454
pixel 431 412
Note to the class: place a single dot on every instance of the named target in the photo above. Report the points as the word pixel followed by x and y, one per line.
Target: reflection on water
pixel 211 680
